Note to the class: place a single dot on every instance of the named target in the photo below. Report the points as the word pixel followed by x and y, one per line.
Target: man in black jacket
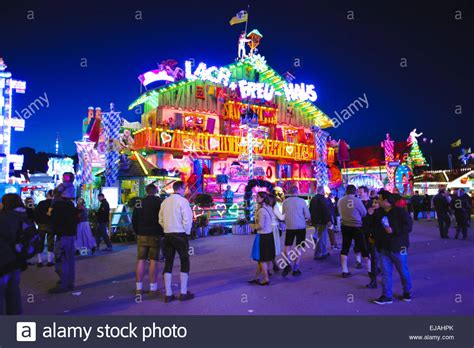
pixel 103 222
pixel 320 218
pixel 441 205
pixel 416 203
pixel 43 220
pixel 149 233
pixel 392 225
pixel 64 220
pixel 461 205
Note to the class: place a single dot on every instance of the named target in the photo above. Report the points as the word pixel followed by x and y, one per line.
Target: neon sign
pixel 300 92
pixel 212 74
pixel 256 90
pixel 17 161
pixel 17 123
pixel 18 86
pixel 249 89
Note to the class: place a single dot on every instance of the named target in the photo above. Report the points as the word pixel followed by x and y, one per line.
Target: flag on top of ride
pixel 456 143
pixel 240 17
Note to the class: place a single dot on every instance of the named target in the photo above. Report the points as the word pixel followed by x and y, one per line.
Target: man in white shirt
pixel 176 218
pixel 296 213
pixel 352 211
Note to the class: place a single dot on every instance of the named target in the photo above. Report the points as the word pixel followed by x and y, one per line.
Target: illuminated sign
pixel 394 164
pixel 17 161
pixel 212 74
pixel 17 123
pixel 256 90
pixel 7 87
pixel 300 92
pixel 249 89
pixel 18 86
pixel 153 76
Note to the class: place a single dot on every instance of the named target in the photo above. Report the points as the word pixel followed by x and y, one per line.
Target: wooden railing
pixel 207 144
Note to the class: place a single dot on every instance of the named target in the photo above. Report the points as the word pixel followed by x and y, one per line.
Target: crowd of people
pixel 57 222
pixel 375 224
pixel 447 206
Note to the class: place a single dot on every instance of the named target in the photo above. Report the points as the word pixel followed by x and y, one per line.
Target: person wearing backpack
pixel 18 239
pixel 392 225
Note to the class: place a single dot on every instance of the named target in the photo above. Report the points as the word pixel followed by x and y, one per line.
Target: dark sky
pixel 343 58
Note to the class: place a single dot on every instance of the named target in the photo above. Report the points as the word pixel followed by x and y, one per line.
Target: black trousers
pixel 172 243
pixel 47 236
pixel 353 233
pixel 373 256
pixel 462 223
pixel 416 211
pixel 444 223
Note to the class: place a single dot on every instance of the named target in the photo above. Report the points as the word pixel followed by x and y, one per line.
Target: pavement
pixel 442 273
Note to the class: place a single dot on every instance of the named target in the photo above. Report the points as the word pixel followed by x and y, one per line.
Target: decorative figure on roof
pixel 241 50
pixel 415 157
pixel 169 68
pixel 412 138
pixel 254 41
pixel 466 155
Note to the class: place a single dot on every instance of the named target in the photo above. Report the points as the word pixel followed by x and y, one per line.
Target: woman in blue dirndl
pixel 263 250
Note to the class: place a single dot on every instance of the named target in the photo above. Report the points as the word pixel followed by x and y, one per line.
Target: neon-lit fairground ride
pixel 241 125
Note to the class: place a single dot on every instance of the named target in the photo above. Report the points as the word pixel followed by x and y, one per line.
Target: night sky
pixel 345 59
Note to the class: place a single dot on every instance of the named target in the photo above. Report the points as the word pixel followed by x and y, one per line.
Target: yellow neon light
pixel 141 163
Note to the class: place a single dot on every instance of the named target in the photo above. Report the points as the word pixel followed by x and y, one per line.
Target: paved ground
pixel 442 272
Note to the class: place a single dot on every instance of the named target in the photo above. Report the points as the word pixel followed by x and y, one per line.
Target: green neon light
pixel 234 210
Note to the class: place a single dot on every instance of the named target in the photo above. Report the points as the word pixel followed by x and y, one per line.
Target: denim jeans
pixel 102 233
pixel 389 259
pixel 321 245
pixel 65 260
pixel 10 296
pixel 57 256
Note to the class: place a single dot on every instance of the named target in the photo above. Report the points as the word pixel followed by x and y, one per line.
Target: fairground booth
pixel 240 127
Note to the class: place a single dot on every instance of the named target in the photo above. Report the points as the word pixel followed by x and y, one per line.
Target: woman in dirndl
pixel 84 240
pixel 263 250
